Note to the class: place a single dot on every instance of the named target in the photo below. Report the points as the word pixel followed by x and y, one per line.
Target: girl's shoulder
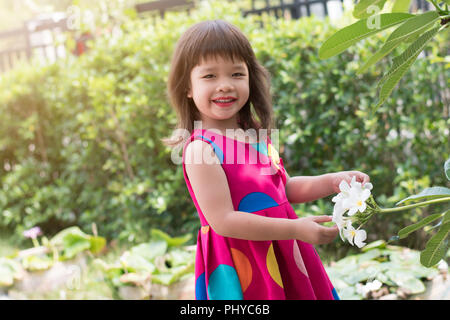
pixel 199 152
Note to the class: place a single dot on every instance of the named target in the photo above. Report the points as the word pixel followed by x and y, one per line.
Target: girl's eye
pixel 208 76
pixel 238 74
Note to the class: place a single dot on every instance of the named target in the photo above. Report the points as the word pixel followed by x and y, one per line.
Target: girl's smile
pixel 225 101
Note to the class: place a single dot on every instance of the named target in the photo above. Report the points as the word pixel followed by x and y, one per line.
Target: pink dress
pixel 233 269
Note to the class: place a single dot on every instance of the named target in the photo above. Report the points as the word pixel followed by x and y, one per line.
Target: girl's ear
pixel 189 93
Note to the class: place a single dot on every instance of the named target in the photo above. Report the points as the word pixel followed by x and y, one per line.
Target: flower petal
pixel 348 235
pixel 354 184
pixel 360 236
pixel 338 197
pixel 352 210
pixel 368 186
pixel 362 207
pixel 365 194
pixel 344 187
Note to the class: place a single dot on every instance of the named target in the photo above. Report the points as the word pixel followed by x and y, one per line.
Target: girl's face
pixel 219 88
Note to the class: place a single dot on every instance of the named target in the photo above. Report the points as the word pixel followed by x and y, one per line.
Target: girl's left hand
pixel 337 177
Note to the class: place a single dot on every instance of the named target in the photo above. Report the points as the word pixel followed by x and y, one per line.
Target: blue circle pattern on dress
pixel 261 147
pixel 216 148
pixel 335 294
pixel 224 284
pixel 200 288
pixel 256 201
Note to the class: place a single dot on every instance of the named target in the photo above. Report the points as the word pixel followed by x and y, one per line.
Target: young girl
pixel 251 244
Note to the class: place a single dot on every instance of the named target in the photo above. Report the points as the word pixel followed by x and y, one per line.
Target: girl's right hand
pixel 308 229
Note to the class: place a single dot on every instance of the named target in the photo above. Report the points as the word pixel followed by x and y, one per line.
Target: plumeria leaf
pixel 401 6
pixel 403 233
pixel 378 244
pixel 407 30
pixel 427 194
pixel 401 64
pixel 362 8
pixel 357 31
pixel 436 247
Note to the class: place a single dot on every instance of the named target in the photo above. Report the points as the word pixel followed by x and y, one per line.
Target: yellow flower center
pixel 359 203
pixel 353 233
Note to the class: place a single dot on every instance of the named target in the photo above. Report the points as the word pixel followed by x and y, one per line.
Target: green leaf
pixel 427 194
pixel 436 247
pixel 447 168
pixel 36 263
pixel 403 233
pixel 379 244
pixel 74 244
pixel 173 275
pixel 410 54
pixel 402 63
pixel 404 279
pixel 413 25
pixel 9 271
pixel 361 8
pixel 6 276
pixel 171 241
pixel 387 47
pixel 150 250
pixel 357 31
pixel 58 238
pixel 407 30
pixel 401 6
pixel 133 262
pixel 97 244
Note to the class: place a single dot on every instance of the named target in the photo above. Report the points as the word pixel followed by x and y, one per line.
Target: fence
pixel 164 5
pixel 36 37
pixel 296 9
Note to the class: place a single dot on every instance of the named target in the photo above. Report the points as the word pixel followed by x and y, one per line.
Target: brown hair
pixel 211 39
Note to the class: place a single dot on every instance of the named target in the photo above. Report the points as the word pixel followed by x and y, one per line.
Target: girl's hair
pixel 210 39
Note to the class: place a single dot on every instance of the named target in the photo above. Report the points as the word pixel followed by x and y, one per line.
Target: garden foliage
pixel 80 140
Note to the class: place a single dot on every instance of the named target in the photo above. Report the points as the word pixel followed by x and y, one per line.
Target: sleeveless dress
pixel 234 269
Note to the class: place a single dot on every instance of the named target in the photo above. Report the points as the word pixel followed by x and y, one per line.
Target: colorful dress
pixel 233 269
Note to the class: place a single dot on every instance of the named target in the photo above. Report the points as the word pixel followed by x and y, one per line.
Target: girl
pixel 251 244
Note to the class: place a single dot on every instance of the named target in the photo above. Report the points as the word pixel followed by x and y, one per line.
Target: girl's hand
pixel 308 229
pixel 337 177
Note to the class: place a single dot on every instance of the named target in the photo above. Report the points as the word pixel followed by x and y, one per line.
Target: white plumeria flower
pixel 352 197
pixel 340 223
pixel 356 236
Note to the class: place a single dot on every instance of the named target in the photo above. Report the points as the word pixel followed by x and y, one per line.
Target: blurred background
pixel 83 110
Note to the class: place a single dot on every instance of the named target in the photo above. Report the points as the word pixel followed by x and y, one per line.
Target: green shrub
pixel 80 140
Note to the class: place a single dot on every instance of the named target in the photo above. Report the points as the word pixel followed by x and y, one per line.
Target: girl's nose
pixel 225 87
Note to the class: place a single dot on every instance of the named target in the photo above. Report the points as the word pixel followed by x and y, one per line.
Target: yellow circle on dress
pixel 205 229
pixel 273 154
pixel 243 268
pixel 272 266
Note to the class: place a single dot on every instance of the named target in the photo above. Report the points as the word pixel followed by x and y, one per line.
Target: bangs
pixel 213 39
